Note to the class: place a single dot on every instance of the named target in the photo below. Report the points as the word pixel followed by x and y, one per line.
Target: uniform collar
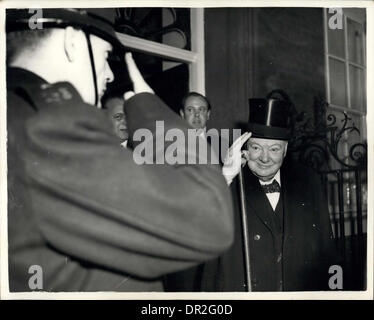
pixel 19 76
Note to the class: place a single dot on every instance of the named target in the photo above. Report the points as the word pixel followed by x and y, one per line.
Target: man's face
pixel 265 157
pixel 81 69
pixel 104 74
pixel 65 57
pixel 118 118
pixel 196 112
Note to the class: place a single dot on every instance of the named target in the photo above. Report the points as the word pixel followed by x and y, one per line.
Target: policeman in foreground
pixel 82 216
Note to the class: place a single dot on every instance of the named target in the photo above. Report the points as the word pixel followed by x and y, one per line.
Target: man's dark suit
pixel 308 248
pixel 81 208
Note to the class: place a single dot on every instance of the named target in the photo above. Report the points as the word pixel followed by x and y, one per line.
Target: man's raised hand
pixel 136 78
pixel 235 158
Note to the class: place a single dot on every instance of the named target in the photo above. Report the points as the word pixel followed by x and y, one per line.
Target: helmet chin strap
pixel 92 68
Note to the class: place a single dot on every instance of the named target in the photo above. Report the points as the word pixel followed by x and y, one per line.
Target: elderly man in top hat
pixel 283 238
pixel 83 216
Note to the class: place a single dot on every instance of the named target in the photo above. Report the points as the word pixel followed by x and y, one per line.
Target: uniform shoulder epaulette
pixel 60 92
pixel 45 94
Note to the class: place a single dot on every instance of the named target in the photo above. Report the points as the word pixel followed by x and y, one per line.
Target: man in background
pixel 195 110
pixel 116 114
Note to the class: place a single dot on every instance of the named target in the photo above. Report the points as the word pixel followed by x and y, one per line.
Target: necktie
pixel 272 187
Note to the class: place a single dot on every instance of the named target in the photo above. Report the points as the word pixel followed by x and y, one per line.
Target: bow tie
pixel 272 187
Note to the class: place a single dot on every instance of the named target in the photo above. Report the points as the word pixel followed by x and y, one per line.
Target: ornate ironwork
pixel 315 142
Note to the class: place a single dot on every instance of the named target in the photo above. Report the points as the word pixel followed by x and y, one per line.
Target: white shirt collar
pixel 124 143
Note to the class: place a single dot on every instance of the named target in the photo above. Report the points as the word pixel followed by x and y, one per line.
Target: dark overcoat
pixel 83 211
pixel 304 251
pixel 189 280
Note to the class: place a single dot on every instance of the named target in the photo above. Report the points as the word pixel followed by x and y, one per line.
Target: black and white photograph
pixel 190 149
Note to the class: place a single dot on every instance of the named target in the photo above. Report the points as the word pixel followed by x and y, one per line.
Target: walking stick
pixel 245 233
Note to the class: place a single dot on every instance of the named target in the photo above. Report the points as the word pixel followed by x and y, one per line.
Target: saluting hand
pixel 235 158
pixel 136 78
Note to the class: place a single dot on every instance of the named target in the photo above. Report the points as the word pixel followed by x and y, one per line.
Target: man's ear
pixel 70 43
pixel 181 112
pixel 208 115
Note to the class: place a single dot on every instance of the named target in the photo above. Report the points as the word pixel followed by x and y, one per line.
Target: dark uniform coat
pixel 85 212
pixel 290 249
pixel 189 280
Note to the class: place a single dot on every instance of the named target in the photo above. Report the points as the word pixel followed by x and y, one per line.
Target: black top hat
pixel 270 118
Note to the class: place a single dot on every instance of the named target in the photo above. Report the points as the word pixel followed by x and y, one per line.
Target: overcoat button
pixel 257 237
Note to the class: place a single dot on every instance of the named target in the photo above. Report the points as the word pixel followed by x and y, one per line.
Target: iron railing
pixel 320 144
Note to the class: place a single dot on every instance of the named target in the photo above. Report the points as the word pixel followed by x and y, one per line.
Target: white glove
pixel 235 158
